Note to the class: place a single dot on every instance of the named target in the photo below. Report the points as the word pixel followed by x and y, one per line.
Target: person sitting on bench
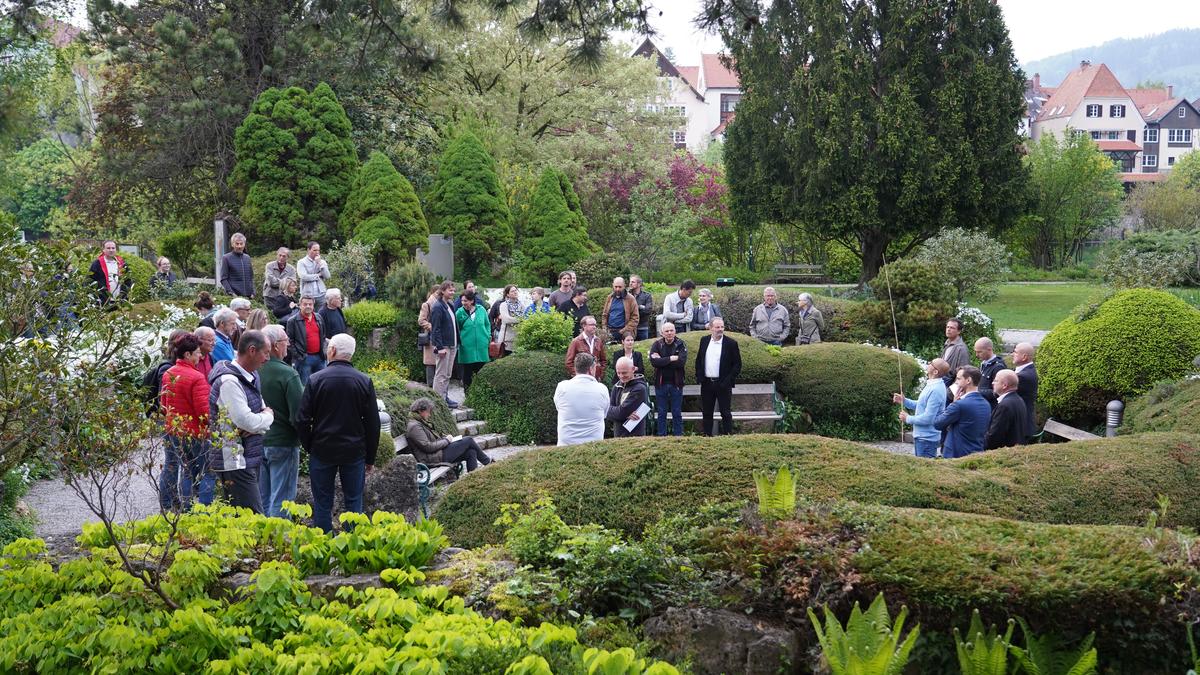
pixel 430 447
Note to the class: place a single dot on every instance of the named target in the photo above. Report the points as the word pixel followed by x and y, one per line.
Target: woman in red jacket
pixel 185 402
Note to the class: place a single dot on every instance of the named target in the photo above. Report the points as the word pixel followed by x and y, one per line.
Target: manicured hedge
pixel 628 484
pixel 1116 351
pixel 760 362
pixel 1169 406
pixel 515 395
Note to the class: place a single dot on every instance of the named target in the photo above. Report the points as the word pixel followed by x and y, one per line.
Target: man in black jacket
pixel 307 337
pixel 237 271
pixel 628 395
pixel 1027 381
pixel 669 358
pixel 576 307
pixel 444 336
pixel 645 305
pixel 718 364
pixel 1009 422
pixel 338 425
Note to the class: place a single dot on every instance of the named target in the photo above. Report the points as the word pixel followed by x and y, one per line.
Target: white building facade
pixel 704 97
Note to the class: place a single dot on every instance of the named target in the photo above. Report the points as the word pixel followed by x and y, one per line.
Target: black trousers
pixel 713 396
pixel 468 373
pixel 465 450
pixel 240 488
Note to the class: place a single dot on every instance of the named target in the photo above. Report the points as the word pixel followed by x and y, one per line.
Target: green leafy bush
pixel 407 285
pixel 351 266
pixel 630 483
pixel 1132 340
pixel 183 249
pixel 1124 268
pixel 545 332
pixel 1169 406
pixel 598 270
pixel 515 395
pixel 366 315
pixel 140 271
pixel 973 262
pixel 13 524
pixel 398 393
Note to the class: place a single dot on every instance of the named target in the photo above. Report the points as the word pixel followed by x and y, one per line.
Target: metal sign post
pixel 218 246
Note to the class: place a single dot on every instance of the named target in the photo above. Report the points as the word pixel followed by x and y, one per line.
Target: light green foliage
pixel 662 231
pixel 1169 406
pixel 1179 248
pixel 365 315
pixel 407 285
pixel 1136 269
pixel 1046 655
pixel 140 270
pixel 545 332
pixel 870 644
pixel 556 232
pixel 1118 351
pixel 973 262
pixel 1075 191
pixel 467 203
pixel 1187 171
pixel 182 247
pixel 532 534
pixel 983 653
pixel 1170 205
pixel 295 163
pixel 89 615
pixel 776 494
pixel 382 209
pixel 39 179
pixel 13 525
pixel 351 266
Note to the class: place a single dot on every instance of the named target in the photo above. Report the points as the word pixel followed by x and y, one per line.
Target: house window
pixel 1114 135
pixel 1096 135
pixel 652 107
pixel 1076 133
pixel 1150 160
pixel 1116 111
pixel 1179 135
pixel 728 105
pixel 1095 110
pixel 677 110
pixel 1170 161
pixel 1151 135
pixel 679 138
pixel 1182 111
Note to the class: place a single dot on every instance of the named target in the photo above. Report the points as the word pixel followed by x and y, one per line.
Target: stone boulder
pixel 719 641
pixel 391 488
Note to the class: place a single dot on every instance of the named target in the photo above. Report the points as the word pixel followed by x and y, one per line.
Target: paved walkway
pixel 1010 336
pixel 61 512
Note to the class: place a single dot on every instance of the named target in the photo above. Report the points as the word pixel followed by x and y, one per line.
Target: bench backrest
pixel 741 389
pixel 1065 431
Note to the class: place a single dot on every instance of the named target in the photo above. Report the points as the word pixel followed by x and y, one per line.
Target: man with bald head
pixel 926 408
pixel 1027 381
pixel 1009 422
pixel 629 394
pixel 990 363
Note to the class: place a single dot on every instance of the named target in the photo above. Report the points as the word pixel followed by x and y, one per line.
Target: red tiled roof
pixel 721 127
pixel 1084 81
pixel 1148 97
pixel 690 74
pixel 1153 112
pixel 1142 177
pixel 716 74
pixel 1119 145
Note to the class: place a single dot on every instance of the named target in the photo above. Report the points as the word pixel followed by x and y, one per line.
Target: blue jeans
pixel 277 478
pixel 311 363
pixel 643 332
pixel 777 343
pixel 668 397
pixel 925 447
pixel 190 455
pixel 321 476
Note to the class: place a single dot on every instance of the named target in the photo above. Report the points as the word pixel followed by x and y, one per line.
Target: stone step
pixel 463 414
pixel 487 441
pixel 471 427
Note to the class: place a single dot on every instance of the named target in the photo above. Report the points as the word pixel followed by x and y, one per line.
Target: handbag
pixel 496 347
pixel 423 339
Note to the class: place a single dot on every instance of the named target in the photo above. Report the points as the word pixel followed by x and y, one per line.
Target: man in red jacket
pixel 184 400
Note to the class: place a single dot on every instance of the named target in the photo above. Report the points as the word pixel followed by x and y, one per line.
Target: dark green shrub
pixel 407 285
pixel 1169 406
pixel 629 483
pixel 366 315
pixel 386 451
pixel 398 394
pixel 183 248
pixel 13 525
pixel 598 270
pixel 515 395
pixel 545 332
pixel 760 362
pixel 846 389
pixel 1132 340
pixel 922 299
pixel 139 271
pixel 1182 246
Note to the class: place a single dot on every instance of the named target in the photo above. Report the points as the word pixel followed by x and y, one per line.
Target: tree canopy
pixel 876 123
pixel 383 210
pixel 468 204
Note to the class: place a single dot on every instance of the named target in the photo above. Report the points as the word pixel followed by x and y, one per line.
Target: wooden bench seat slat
pixel 1056 428
pixel 739 390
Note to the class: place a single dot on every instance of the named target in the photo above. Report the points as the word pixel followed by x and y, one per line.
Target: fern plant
pixel 1195 657
pixel 1046 656
pixel 983 653
pixel 870 644
pixel 776 496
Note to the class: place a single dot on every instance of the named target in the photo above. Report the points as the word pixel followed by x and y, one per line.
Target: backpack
pixel 151 384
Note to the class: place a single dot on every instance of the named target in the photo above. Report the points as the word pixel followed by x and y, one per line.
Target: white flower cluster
pixel 25 471
pixel 973 315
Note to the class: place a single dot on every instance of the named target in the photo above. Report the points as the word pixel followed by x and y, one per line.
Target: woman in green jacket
pixel 474 333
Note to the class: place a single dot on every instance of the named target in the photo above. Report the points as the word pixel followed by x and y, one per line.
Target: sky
pixel 1038 28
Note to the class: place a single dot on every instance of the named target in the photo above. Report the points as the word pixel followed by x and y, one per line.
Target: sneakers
pixel 451 404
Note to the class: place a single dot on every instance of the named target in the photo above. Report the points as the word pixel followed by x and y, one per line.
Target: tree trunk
pixel 872 247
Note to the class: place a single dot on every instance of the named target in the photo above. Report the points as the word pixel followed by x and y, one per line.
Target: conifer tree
pixel 295 163
pixel 467 203
pixel 556 231
pixel 383 210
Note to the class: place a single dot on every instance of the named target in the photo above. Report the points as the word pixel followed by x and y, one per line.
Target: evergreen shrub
pixel 515 395
pixel 407 285
pixel 1169 406
pixel 556 233
pixel 630 483
pixel 398 394
pixel 596 273
pixel 366 315
pixel 140 271
pixel 1116 351
pixel 382 210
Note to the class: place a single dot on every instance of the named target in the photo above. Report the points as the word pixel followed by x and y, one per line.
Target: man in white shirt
pixel 582 403
pixel 718 364
pixel 313 271
pixel 678 307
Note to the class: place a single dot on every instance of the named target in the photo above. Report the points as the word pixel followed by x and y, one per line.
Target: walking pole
pixel 895 335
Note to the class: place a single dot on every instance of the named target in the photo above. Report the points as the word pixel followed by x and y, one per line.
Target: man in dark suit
pixel 718 364
pixel 1027 382
pixel 1009 422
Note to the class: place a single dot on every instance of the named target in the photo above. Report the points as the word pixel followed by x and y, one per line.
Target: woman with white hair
pixel 430 447
pixel 811 321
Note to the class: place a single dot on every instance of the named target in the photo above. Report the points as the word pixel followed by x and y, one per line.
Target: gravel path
pixel 1010 336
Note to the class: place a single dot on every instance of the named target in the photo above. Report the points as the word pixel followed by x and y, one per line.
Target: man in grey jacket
pixel 769 321
pixel 237 271
pixel 678 307
pixel 955 350
pixel 277 274
pixel 313 271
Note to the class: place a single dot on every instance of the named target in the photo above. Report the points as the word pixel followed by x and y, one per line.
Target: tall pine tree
pixel 467 203
pixel 556 231
pixel 295 163
pixel 877 124
pixel 383 210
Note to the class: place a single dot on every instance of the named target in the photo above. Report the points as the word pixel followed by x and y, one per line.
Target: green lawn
pixel 1035 306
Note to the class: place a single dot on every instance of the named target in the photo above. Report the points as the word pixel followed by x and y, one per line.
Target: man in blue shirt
pixel 966 420
pixel 926 408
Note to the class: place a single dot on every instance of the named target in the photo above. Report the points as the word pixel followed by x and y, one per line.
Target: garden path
pixel 61 512
pixel 1011 337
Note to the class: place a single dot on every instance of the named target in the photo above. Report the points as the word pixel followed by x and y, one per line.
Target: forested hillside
pixel 1168 58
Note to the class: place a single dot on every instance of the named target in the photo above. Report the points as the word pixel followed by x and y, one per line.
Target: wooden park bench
pixel 1056 428
pixel 745 391
pixel 427 475
pixel 798 272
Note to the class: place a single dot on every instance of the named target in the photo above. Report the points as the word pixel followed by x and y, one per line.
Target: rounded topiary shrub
pixel 760 361
pixel 845 390
pixel 515 395
pixel 545 332
pixel 1130 341
pixel 1169 406
pixel 366 315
